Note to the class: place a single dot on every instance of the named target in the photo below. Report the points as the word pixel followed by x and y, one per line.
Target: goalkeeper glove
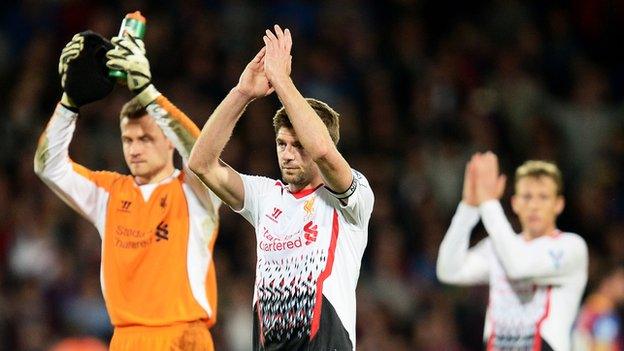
pixel 82 68
pixel 129 56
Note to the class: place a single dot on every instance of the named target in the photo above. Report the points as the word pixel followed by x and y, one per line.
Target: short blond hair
pixel 539 168
pixel 327 114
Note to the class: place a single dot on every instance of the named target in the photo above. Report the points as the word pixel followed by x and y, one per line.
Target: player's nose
pixel 288 153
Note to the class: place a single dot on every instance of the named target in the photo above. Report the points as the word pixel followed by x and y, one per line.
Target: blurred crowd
pixel 420 86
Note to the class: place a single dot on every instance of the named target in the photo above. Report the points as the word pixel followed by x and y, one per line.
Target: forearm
pixel 544 262
pixel 310 129
pixel 70 181
pixel 217 132
pixel 515 257
pixel 452 256
pixel 176 125
pixel 51 156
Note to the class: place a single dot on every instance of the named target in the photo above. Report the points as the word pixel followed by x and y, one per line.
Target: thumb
pixel 500 185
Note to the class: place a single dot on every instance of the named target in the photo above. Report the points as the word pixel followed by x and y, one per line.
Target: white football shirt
pixel 535 286
pixel 309 250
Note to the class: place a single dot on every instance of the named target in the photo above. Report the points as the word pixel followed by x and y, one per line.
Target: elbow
pixel 38 169
pixel 196 164
pixel 39 164
pixel 445 278
pixel 443 274
pixel 197 168
pixel 320 153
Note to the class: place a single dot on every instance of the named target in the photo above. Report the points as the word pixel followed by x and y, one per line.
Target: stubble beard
pixel 298 179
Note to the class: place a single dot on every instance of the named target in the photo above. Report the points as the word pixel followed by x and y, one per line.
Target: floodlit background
pixel 420 86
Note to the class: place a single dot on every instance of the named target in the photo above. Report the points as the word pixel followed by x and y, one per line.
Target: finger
pixel 71 46
pixel 116 54
pixel 116 40
pixel 65 59
pixel 270 91
pixel 494 162
pixel 117 64
pixel 139 45
pixel 500 185
pixel 118 50
pixel 126 45
pixel 288 40
pixel 487 159
pixel 267 43
pixel 473 158
pixel 271 35
pixel 76 40
pixel 133 44
pixel 467 171
pixel 69 54
pixel 259 55
pixel 278 32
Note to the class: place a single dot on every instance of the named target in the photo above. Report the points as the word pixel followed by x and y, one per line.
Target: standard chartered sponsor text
pixel 280 245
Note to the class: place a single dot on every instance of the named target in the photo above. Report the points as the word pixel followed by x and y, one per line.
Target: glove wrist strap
pixel 148 95
pixel 68 103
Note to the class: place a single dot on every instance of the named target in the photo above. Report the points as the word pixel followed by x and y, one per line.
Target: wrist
pixel 279 80
pixel 147 95
pixel 471 202
pixel 485 194
pixel 68 103
pixel 467 214
pixel 488 203
pixel 241 94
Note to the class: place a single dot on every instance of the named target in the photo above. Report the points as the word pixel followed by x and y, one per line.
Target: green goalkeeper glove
pixel 129 56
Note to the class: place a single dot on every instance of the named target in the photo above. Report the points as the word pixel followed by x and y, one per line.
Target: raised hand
pixel 469 195
pixel 129 56
pixel 70 52
pixel 277 61
pixel 82 69
pixel 253 82
pixel 489 184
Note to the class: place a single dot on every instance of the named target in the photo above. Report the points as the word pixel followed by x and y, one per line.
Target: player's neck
pixel 298 188
pixel 295 188
pixel 530 235
pixel 157 177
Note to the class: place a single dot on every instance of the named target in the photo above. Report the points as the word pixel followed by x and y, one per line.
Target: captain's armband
pixel 350 190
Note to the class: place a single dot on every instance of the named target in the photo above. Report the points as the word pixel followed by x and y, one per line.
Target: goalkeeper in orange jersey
pixel 159 224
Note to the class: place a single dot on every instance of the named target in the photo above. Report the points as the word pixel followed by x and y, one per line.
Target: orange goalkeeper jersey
pixel 157 239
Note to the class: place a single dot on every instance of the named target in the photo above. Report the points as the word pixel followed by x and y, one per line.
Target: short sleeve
pixel 256 189
pixel 357 202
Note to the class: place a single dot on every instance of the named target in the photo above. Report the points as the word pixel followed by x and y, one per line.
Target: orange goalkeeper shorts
pixel 191 336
